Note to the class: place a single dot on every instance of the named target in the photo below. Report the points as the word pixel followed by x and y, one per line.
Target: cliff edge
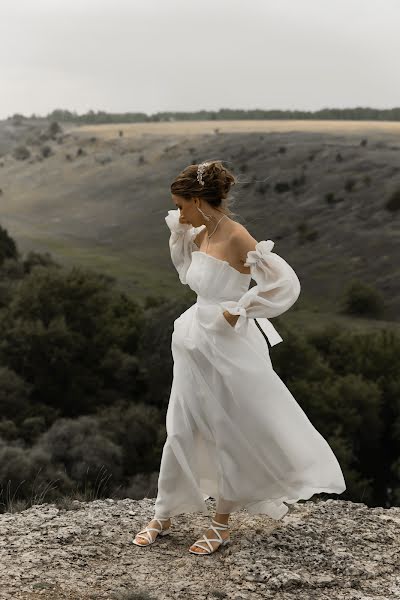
pixel 320 550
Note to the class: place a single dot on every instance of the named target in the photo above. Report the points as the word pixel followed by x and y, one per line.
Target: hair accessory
pixel 200 170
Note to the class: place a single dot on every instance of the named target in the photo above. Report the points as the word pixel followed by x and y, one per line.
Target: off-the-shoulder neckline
pixel 222 261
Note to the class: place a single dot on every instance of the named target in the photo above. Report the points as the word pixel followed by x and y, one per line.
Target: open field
pixel 257 126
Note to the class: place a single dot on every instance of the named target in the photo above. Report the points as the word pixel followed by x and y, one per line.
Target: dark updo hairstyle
pixel 217 184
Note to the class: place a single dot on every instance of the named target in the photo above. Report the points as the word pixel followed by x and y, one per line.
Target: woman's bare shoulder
pixel 243 241
pixel 241 234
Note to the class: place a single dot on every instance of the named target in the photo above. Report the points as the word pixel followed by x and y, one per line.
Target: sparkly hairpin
pixel 200 170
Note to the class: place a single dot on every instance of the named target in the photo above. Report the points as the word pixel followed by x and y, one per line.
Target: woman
pixel 234 431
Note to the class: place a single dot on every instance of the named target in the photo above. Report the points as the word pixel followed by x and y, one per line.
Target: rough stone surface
pixel 320 550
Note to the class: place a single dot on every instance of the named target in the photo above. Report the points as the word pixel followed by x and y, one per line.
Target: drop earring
pixel 207 217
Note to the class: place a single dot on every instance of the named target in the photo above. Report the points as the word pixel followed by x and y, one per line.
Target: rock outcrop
pixel 320 550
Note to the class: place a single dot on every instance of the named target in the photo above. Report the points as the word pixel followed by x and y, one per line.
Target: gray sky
pixel 156 55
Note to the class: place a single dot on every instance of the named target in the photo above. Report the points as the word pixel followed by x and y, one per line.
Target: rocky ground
pixel 320 550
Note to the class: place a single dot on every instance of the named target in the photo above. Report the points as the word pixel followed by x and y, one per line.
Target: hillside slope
pixel 100 200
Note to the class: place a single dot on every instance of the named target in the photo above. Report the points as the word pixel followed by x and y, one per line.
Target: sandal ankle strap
pixel 222 525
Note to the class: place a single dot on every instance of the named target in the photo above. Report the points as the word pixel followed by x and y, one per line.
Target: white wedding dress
pixel 234 431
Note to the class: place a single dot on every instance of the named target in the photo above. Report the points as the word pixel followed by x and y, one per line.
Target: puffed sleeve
pixel 181 242
pixel 277 286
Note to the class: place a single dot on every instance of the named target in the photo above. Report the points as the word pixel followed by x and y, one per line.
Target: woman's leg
pixel 224 507
pixel 222 518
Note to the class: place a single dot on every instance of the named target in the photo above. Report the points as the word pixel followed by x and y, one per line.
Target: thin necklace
pixel 208 239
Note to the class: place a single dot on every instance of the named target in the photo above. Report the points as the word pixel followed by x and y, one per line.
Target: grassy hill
pixel 317 188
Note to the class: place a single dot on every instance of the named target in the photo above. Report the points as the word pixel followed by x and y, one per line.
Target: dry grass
pixel 263 126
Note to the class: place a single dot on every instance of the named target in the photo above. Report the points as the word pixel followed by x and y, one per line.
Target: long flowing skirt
pixel 234 430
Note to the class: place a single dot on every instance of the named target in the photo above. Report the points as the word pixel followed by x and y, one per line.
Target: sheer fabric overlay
pixel 234 430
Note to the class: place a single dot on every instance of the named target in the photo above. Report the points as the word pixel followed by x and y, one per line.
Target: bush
pixel 363 300
pixel 26 473
pixel 331 198
pixel 394 201
pixel 34 259
pixel 54 128
pixel 14 394
pixel 32 428
pixel 139 430
pixel 282 186
pixel 11 270
pixel 349 184
pixel 17 119
pixel 305 233
pixel 46 151
pixel 298 181
pixel 8 247
pixel 151 301
pixel 8 429
pixel 81 447
pixel 21 153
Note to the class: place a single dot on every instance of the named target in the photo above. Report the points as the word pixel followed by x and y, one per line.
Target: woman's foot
pixel 143 539
pixel 210 534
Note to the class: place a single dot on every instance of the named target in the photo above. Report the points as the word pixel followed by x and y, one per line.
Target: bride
pixel 234 430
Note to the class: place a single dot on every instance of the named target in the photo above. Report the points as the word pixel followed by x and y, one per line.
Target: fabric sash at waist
pixel 265 324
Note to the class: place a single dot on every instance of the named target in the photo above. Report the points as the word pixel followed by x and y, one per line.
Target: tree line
pixel 358 113
pixel 85 378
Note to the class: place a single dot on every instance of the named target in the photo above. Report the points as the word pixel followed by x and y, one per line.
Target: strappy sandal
pixel 146 531
pixel 207 540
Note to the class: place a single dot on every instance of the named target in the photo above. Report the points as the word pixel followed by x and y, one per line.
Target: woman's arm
pixel 277 285
pixel 181 242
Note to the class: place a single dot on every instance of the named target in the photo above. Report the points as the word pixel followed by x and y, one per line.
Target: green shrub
pixel 363 300
pixel 8 247
pixel 14 394
pixel 298 181
pixel 349 184
pixel 282 186
pixel 21 153
pixel 330 197
pixel 54 128
pixel 46 151
pixel 394 201
pixel 81 448
pixel 305 233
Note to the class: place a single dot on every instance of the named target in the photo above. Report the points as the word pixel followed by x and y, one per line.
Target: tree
pixel 363 300
pixel 8 247
pixel 57 333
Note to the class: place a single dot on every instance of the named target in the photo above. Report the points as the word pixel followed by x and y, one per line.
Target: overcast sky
pixel 161 55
